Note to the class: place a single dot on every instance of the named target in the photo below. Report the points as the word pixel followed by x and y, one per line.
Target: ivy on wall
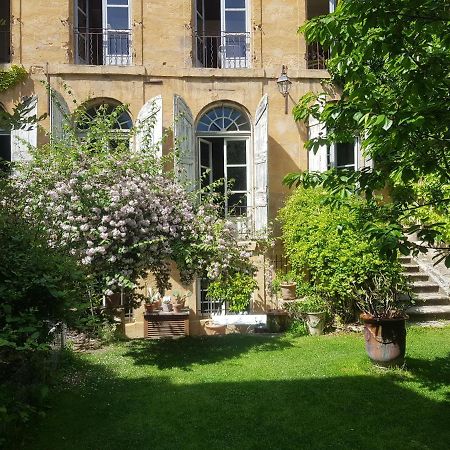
pixel 11 77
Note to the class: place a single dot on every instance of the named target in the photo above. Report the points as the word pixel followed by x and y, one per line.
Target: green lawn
pixel 251 392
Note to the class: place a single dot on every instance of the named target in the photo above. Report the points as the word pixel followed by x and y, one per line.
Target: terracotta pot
pixel 385 340
pixel 288 291
pixel 214 329
pixel 178 307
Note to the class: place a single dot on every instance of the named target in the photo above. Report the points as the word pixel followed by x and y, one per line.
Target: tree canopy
pixel 389 85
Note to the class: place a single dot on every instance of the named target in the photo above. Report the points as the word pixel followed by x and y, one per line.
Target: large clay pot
pixel 214 329
pixel 315 322
pixel 288 291
pixel 385 340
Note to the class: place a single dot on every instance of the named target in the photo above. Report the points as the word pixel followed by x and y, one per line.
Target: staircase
pixel 431 301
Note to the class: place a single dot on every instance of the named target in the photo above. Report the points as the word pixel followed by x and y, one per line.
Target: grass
pixel 251 392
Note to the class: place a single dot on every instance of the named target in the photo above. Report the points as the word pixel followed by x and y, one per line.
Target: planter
pixel 152 307
pixel 288 291
pixel 385 340
pixel 214 329
pixel 178 306
pixel 278 321
pixel 315 322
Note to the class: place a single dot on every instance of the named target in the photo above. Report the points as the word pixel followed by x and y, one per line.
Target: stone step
pixel 432 312
pixel 411 268
pixel 425 286
pixel 432 299
pixel 404 259
pixel 420 276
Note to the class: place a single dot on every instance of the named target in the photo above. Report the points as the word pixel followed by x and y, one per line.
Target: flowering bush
pixel 117 213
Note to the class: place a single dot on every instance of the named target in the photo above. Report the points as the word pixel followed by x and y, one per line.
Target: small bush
pixel 328 248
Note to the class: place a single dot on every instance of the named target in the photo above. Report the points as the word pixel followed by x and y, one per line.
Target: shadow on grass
pixel 433 374
pixel 183 353
pixel 105 412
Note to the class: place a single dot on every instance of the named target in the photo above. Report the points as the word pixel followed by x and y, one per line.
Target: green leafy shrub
pixel 328 248
pixel 236 290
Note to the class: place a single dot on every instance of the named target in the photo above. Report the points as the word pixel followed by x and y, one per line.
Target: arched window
pixel 223 119
pixel 120 127
pixel 223 135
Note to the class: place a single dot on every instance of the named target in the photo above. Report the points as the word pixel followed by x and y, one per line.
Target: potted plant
pixel 152 300
pixel 167 303
pixel 179 300
pixel 383 302
pixel 287 285
pixel 313 309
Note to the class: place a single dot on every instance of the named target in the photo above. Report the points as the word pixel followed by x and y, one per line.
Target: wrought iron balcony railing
pixel 243 218
pixel 225 51
pixel 5 46
pixel 316 56
pixel 103 47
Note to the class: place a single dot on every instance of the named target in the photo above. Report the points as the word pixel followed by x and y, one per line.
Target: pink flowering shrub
pixel 121 216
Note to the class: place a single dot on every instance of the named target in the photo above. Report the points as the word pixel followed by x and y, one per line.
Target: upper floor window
pixel 5 32
pixel 222 37
pixel 102 33
pixel 317 56
pixel 343 155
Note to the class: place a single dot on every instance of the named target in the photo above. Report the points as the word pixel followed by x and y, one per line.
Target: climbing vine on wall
pixel 11 77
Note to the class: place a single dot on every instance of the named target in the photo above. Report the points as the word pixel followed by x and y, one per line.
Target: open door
pixel 206 164
pixel 261 148
pixel 186 165
pixel 82 32
pixel 116 29
pixel 234 26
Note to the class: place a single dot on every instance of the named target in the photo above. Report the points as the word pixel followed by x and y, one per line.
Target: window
pixel 317 56
pixel 343 155
pixel 5 32
pixel 121 128
pixel 223 143
pixel 103 32
pixel 5 150
pixel 222 38
pixel 206 305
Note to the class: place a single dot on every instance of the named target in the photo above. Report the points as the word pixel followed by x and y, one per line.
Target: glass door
pixel 234 35
pixel 82 32
pixel 200 33
pixel 116 32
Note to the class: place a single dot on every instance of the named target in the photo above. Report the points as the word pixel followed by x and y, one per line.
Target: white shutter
pixel 25 135
pixel 59 116
pixel 317 162
pixel 149 125
pixel 261 147
pixel 186 163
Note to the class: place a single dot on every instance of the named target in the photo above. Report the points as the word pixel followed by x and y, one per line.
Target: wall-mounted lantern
pixel 284 85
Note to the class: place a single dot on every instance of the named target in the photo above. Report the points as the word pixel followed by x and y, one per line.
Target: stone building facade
pixel 215 61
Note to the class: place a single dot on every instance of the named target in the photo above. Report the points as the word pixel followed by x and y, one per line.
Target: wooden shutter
pixel 317 162
pixel 261 146
pixel 59 116
pixel 149 125
pixel 25 135
pixel 186 162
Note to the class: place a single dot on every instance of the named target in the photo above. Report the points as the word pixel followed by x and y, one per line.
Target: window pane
pixel 118 18
pixel 238 178
pixel 5 147
pixel 204 154
pixel 236 152
pixel 235 22
pixel 237 204
pixel 117 2
pixel 345 154
pixel 234 3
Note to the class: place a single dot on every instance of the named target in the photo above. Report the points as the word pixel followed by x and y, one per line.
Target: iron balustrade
pixel 103 47
pixel 224 51
pixel 5 46
pixel 316 56
pixel 243 219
